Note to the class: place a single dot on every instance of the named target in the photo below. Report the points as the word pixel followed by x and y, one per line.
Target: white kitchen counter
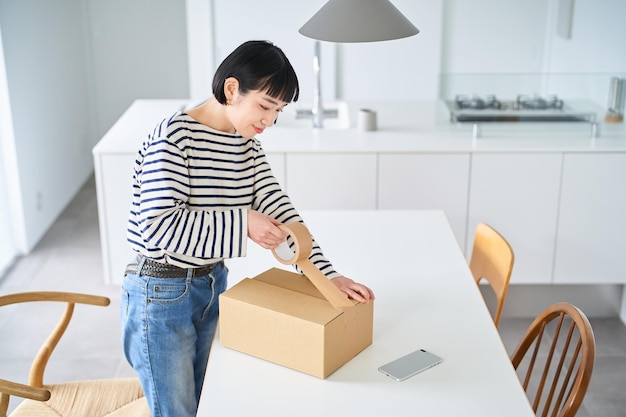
pixel 402 127
pixel 556 193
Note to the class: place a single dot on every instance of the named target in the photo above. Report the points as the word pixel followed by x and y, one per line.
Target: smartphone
pixel 409 365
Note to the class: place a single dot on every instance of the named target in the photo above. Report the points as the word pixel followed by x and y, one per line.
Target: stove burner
pixel 523 108
pixel 476 102
pixel 538 103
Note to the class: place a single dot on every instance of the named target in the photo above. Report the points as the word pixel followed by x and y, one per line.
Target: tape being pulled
pixel 300 256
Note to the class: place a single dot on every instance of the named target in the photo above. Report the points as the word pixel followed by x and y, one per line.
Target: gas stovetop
pixel 525 108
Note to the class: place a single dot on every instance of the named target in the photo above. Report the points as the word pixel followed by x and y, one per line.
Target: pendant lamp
pixel 358 21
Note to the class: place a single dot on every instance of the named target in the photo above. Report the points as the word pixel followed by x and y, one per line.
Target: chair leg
pixel 4 404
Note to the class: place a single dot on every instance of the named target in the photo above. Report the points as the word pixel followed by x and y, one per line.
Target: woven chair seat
pixel 98 398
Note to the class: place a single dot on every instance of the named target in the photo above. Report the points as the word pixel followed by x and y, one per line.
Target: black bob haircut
pixel 258 65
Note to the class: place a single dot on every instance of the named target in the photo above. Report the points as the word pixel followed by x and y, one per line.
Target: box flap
pixel 290 280
pixel 283 300
pixel 293 281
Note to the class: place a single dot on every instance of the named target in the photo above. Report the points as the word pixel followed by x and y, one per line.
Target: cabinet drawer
pixel 592 221
pixel 518 195
pixel 331 181
pixel 426 181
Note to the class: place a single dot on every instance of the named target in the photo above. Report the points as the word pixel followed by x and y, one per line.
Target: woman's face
pixel 253 112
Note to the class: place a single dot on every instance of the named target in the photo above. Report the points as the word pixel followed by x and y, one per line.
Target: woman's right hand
pixel 264 230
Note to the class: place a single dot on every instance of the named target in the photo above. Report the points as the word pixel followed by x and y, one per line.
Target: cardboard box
pixel 281 317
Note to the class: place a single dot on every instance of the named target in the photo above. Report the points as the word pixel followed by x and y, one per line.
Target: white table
pixel 425 298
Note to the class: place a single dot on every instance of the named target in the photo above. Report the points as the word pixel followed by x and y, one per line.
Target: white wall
pixel 597 47
pixel 598 39
pixel 510 47
pixel 138 50
pixel 11 219
pixel 403 69
pixel 47 74
pixel 494 36
pixel 506 47
pixel 8 250
pixel 72 68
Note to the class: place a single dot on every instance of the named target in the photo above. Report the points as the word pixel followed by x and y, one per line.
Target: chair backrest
pixel 35 389
pixel 554 360
pixel 492 260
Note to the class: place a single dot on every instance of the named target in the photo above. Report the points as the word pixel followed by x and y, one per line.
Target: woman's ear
pixel 231 88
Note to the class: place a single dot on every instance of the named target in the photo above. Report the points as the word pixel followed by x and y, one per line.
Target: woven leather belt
pixel 160 270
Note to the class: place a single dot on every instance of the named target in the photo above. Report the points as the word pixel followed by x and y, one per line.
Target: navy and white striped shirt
pixel 192 187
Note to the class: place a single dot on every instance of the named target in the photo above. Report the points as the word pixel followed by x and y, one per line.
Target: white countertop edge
pixel 402 135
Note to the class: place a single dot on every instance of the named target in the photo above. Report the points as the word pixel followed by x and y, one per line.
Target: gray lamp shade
pixel 358 21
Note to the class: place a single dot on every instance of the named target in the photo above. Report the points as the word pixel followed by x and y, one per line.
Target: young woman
pixel 201 187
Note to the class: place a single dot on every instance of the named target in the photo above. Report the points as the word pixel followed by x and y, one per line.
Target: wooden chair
pixel 108 397
pixel 555 359
pixel 492 260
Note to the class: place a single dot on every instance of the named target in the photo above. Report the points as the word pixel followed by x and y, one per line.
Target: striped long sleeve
pixel 192 187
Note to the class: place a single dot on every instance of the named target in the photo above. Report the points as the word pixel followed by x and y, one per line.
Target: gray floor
pixel 68 259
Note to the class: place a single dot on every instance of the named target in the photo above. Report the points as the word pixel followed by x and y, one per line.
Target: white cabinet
pixel 331 181
pixel 426 181
pixel 591 239
pixel 277 162
pixel 114 191
pixel 518 194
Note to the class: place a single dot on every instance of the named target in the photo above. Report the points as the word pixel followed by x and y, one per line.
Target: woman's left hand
pixel 353 290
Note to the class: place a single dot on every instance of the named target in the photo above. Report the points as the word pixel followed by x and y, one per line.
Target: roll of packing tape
pixel 302 242
pixel 299 255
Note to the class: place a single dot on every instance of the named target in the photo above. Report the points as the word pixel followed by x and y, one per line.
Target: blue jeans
pixel 168 326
